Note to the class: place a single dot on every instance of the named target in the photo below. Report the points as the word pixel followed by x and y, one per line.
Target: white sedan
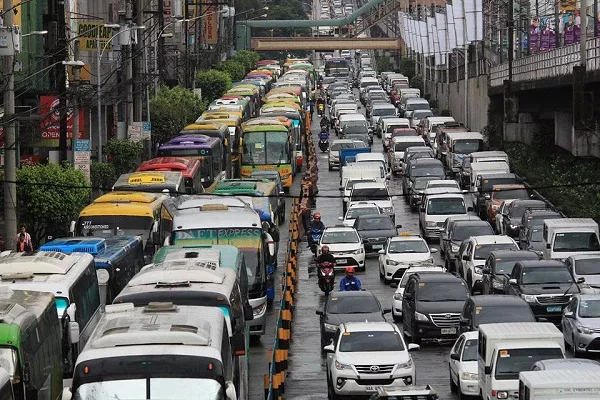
pixel 397 299
pixel 359 209
pixel 402 252
pixel 345 245
pixel 463 365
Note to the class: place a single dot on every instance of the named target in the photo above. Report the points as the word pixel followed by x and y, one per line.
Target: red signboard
pixel 30 160
pixel 50 125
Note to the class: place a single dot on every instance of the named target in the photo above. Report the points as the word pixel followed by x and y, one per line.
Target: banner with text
pixel 50 113
pixel 210 22
pixel 88 33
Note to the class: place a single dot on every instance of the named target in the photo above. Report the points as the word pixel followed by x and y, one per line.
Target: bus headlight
pixel 103 276
pixel 259 310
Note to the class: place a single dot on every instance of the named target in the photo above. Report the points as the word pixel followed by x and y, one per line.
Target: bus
pixel 208 150
pixel 224 102
pixel 234 124
pixel 30 344
pixel 213 129
pixel 189 168
pixel 298 127
pixel 168 182
pixel 267 145
pixel 337 67
pixel 117 259
pixel 159 351
pixel 248 90
pixel 193 220
pixel 121 213
pixel 73 282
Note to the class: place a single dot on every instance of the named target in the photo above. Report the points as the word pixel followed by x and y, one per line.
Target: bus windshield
pixel 266 148
pixel 105 226
pixel 248 240
pixel 9 360
pixel 151 388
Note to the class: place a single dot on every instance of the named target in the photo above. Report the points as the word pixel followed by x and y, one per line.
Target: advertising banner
pixel 50 113
pixel 88 32
pixel 210 22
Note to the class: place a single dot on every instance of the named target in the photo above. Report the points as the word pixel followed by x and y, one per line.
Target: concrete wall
pixel 452 97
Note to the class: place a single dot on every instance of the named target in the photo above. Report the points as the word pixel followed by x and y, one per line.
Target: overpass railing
pixel 550 64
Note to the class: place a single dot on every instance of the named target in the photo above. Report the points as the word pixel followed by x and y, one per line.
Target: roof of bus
pixel 123 329
pixel 229 99
pixel 244 88
pixel 43 271
pixel 264 124
pixel 184 165
pixel 120 209
pixel 288 112
pixel 231 121
pixel 229 256
pixel 223 118
pixel 104 250
pixel 246 187
pixel 190 139
pixel 150 179
pixel 18 306
pixel 211 126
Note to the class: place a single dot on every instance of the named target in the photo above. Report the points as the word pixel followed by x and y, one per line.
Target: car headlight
pixel 259 310
pixel 421 317
pixel 405 365
pixel 454 248
pixel 340 367
pixel 391 262
pixel 398 296
pixel 528 298
pixel 430 224
pixel 359 251
pixel 469 376
pixel 584 330
pixel 497 285
pixel 502 395
pixel 513 226
pixel 388 209
pixel 330 327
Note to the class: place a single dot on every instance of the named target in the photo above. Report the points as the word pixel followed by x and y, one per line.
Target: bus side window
pixel 86 296
pixel 237 310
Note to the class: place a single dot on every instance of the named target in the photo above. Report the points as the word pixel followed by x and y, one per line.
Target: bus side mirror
pixel 72 228
pixel 239 343
pixel 74 332
pixel 271 246
pixel 71 311
pixel 230 392
pixel 66 394
pixel 248 312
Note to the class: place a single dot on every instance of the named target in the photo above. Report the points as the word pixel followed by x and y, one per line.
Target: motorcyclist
pixel 349 282
pixel 321 105
pixel 317 224
pixel 325 256
pixel 324 122
pixel 324 134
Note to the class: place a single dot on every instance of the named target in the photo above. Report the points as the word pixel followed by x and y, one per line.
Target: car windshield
pixel 338 146
pixel 576 241
pixel 467 146
pixel 446 184
pixel 354 213
pixel 442 291
pixel 421 183
pixel 509 194
pixel 537 235
pixel 517 211
pixel 339 237
pixel 402 146
pixel 587 266
pixel 505 267
pixel 417 106
pixel 498 314
pixel 464 232
pixel 446 206
pixel 546 276
pixel 397 125
pixel 510 362
pixel 470 350
pixel 589 308
pixel 420 114
pixel 354 129
pixel 353 305
pixel 408 246
pixel 376 224
pixel 371 341
pixel 427 171
pixel 370 194
pixel 482 251
pixel 376 112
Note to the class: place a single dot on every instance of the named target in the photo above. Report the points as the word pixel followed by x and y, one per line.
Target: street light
pixel 35 33
pixel 99 54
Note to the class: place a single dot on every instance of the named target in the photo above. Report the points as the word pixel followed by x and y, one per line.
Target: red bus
pixel 190 168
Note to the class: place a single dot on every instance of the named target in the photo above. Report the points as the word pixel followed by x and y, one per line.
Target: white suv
pixel 402 252
pixel 345 245
pixel 366 357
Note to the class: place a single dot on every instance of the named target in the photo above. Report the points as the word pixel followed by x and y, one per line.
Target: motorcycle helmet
pixel 317 216
pixel 350 270
pixel 325 249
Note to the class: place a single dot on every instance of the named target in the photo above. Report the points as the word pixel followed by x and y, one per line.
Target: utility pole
pixel 61 77
pixel 159 53
pixel 583 35
pixel 140 70
pixel 511 37
pixel 10 142
pixel 129 64
pixel 75 97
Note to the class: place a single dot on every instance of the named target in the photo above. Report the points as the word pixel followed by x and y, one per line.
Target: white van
pixel 430 125
pixel 506 349
pixel 373 192
pixel 396 151
pixel 437 205
pixel 570 236
pixel 363 158
pixel 489 156
pixel 388 127
pixel 559 385
pixel 460 145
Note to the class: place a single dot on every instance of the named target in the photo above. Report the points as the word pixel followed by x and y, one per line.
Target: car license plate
pixel 372 388
pixel 554 308
pixel 341 260
pixel 448 331
pixel 377 246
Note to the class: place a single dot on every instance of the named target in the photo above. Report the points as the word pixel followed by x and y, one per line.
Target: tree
pixel 235 69
pixel 48 197
pixel 103 177
pixel 213 83
pixel 407 67
pixel 124 155
pixel 417 83
pixel 247 58
pixel 171 110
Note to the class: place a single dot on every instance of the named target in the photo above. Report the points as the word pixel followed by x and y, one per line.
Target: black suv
pixel 494 309
pixel 431 305
pixel 513 214
pixel 547 285
pixel 461 230
pixel 534 218
pixel 499 266
pixel 375 230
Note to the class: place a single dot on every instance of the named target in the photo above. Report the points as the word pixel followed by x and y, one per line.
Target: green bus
pixel 30 343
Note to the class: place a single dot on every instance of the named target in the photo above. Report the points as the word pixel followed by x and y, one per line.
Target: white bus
pixel 73 282
pixel 161 351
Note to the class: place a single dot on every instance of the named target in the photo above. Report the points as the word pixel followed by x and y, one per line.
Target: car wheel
pixel 574 348
pixel 461 396
pixel 453 387
pixel 397 318
pixel 330 391
pixel 381 274
pixel 330 168
pixel 470 282
pixel 442 252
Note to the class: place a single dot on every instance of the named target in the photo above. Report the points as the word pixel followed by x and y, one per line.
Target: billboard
pixel 50 113
pixel 88 33
pixel 210 22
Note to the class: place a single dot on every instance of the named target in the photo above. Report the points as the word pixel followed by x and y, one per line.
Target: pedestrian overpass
pixel 323 43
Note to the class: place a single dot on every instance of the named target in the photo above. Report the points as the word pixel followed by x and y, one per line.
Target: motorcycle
pixel 324 124
pixel 321 109
pixel 324 141
pixel 326 276
pixel 314 237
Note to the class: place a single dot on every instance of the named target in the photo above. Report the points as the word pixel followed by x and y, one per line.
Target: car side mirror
pixel 320 312
pixel 66 394
pixel 580 280
pixel 398 226
pixel 548 246
pixel 486 271
pixel 568 314
pixel 230 392
pixel 329 348
pixel 413 346
pixel 433 251
pixel 73 332
pixel 381 252
pixel 512 281
pixel 71 311
pixel 465 257
pixel 72 228
pixel 387 310
pixel 455 356
pixel 394 285
pixel 487 370
pixel 340 218
pixel 422 209
pixel 341 188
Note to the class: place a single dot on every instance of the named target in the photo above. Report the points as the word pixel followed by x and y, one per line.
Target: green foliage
pixel 417 83
pixel 124 155
pixel 407 68
pixel 213 83
pixel 288 10
pixel 247 58
pixel 382 63
pixel 445 113
pixel 171 110
pixel 49 196
pixel 102 175
pixel 235 69
pixel 433 103
pixel 549 170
